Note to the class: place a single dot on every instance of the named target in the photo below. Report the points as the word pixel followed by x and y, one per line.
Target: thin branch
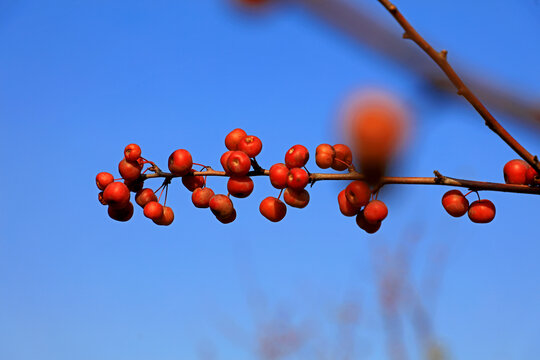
pixel 353 175
pixel 462 89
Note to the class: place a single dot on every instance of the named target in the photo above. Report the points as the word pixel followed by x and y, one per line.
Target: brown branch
pixel 440 59
pixel 353 175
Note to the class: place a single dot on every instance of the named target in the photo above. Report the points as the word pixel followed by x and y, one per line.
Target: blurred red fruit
pixel 482 211
pixel 273 209
pixel 455 203
pixel 378 124
pixel 180 162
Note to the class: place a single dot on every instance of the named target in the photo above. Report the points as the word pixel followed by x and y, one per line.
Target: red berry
pixel 273 209
pixel 240 186
pixel 296 157
pixel 365 225
pixel 180 162
pixel 166 218
pixel 297 199
pixel 100 198
pixel 531 174
pixel 455 203
pixel 223 160
pixel 251 145
pixel 343 158
pixel 123 213
pixel 132 152
pixel 345 206
pixel 238 163
pixel 515 172
pixel 201 197
pixel 134 185
pixel 153 210
pixel 227 219
pixel 193 182
pixel 129 170
pixel 233 138
pixel 482 211
pixel 144 196
pixel 297 179
pixel 324 156
pixel 279 173
pixel 358 193
pixel 375 212
pixel 103 179
pixel 221 205
pixel 116 194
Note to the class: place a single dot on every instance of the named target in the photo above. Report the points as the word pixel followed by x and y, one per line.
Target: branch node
pixel 444 53
pixel 406 35
pixel 439 178
pixel 392 8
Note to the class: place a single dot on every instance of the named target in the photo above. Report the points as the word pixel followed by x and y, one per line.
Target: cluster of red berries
pixel 291 177
pixel 116 194
pixel 457 205
pixel 516 171
pixel 356 200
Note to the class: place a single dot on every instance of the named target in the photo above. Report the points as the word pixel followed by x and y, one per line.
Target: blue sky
pixel 82 79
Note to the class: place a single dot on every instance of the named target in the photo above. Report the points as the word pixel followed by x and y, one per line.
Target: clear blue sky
pixel 79 80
